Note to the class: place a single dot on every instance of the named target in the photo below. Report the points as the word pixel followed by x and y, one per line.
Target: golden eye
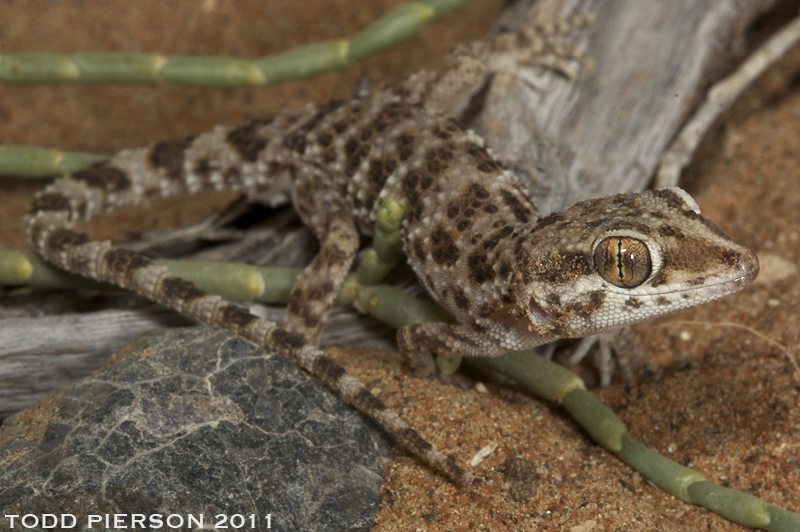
pixel 623 261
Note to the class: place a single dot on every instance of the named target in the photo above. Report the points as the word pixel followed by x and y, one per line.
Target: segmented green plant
pixel 214 72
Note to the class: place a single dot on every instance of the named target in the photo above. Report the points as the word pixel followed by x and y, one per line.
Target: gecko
pixel 511 278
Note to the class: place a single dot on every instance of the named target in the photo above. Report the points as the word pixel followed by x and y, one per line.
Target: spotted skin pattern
pixel 511 279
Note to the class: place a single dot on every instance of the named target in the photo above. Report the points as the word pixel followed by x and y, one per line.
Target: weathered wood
pixel 42 354
pixel 605 132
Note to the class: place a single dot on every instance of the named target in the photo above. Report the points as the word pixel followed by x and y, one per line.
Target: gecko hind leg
pixel 468 65
pixel 329 218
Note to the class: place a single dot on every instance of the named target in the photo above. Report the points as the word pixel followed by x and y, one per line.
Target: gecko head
pixel 606 263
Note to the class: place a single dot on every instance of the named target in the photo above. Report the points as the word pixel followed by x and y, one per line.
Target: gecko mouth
pixel 748 271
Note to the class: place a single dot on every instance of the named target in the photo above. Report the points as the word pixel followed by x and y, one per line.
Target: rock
pixel 195 421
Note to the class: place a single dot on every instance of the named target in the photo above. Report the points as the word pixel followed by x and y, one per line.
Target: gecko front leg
pixel 421 342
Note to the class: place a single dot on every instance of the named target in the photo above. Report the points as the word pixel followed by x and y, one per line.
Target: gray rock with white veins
pixel 195 421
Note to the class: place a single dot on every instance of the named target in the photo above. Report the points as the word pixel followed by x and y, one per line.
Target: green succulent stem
pixel 397 25
pixel 215 72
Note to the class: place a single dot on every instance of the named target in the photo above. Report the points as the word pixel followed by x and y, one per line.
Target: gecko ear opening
pixel 535 310
pixel 529 305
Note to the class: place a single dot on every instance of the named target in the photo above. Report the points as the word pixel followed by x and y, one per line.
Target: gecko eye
pixel 623 261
